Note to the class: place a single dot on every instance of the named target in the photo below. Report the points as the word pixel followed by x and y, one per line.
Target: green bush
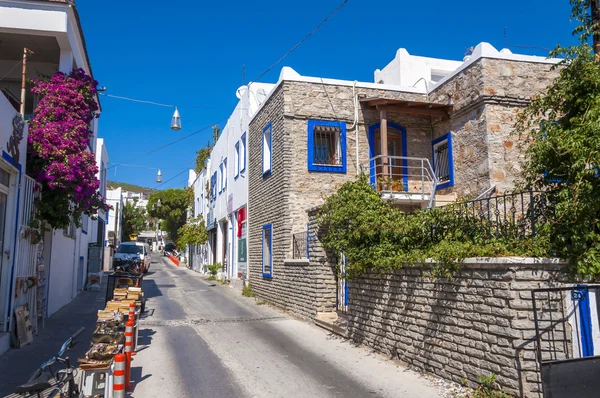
pixel 213 269
pixel 376 236
pixel 488 388
pixel 247 291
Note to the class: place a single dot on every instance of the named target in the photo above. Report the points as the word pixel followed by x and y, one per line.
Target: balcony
pixel 404 180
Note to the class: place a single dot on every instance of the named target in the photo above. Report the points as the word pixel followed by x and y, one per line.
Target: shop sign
pixel 242 257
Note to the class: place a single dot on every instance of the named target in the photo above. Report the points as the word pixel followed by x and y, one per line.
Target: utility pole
pixel 595 21
pixel 26 52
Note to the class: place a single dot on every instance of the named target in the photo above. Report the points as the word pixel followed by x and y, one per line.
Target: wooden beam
pixel 384 138
pixel 417 111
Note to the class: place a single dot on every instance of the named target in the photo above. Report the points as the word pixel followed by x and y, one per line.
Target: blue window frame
pixel 443 162
pixel 326 146
pixel 243 153
pixel 236 160
pixel 224 175
pixel 213 182
pixel 267 149
pixel 267 251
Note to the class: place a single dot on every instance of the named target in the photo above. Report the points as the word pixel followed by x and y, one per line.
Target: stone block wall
pixel 313 101
pixel 478 323
pixel 268 197
pixel 487 97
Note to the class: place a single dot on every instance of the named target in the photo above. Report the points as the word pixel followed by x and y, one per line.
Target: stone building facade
pixel 480 99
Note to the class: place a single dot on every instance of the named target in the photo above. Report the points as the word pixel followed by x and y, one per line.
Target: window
pixel 243 153
pixel 224 175
pixel 267 251
pixel 236 160
pixel 220 178
pixel 443 164
pixel 84 223
pixel 267 147
pixel 326 146
pixel 69 231
pixel 213 185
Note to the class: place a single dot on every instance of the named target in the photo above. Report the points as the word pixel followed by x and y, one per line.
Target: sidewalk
pixel 17 365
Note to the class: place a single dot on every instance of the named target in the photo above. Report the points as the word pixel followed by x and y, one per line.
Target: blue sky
pixel 190 53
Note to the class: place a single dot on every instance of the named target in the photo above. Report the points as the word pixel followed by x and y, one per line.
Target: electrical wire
pixel 172 178
pixel 13 68
pixel 169 143
pixel 342 4
pixel 137 100
pixel 160 104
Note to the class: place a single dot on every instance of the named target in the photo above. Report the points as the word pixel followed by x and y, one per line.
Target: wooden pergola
pixel 403 107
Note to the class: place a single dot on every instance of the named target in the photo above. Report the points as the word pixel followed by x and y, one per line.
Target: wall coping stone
pixel 296 261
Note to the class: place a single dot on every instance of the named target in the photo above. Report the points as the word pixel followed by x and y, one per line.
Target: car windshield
pixel 130 249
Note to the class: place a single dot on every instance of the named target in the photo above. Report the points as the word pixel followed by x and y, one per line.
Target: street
pixel 201 339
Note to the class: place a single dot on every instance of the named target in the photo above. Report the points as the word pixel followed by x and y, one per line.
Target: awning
pixel 409 107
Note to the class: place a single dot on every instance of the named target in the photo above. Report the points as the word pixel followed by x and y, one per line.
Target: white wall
pixel 15 200
pixel 114 197
pixel 414 71
pixel 47 19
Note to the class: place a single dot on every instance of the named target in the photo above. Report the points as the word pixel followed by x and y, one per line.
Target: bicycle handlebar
pixel 76 334
pixel 69 343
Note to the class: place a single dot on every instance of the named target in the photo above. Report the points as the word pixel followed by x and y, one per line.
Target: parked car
pixel 169 248
pixel 127 250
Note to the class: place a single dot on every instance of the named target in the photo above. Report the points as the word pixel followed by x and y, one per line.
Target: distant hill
pixel 130 187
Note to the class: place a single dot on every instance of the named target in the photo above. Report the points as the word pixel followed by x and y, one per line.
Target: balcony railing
pixel 403 178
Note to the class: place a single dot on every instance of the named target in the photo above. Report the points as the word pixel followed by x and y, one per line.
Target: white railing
pixel 404 175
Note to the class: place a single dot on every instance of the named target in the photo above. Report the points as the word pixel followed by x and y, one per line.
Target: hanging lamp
pixel 159 176
pixel 176 120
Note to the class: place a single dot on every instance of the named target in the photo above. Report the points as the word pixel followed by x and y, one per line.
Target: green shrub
pixel 247 291
pixel 488 388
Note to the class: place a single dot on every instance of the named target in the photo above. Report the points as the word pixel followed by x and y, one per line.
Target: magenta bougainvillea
pixel 58 149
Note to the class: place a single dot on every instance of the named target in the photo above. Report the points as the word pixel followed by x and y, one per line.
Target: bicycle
pixel 40 380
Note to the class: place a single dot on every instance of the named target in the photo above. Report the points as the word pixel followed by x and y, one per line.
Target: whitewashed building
pixel 224 203
pixel 52 31
pixel 114 198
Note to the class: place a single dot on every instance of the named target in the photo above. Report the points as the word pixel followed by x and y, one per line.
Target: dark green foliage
pixel 376 236
pixel 174 204
pixel 134 220
pixel 561 135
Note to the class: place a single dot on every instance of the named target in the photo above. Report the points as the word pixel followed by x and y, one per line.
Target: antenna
pixel 243 75
pixel 521 46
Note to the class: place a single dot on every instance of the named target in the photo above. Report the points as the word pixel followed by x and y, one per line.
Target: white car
pixel 128 250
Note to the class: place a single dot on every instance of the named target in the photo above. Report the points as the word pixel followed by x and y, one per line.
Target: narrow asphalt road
pixel 201 339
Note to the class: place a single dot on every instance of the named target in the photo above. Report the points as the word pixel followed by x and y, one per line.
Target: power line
pixel 342 4
pixel 170 143
pixel 158 103
pixel 175 176
pixel 13 68
pixel 137 100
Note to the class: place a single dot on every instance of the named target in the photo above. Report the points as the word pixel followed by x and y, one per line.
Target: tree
pixel 173 208
pixel 203 153
pixel 192 233
pixel 134 220
pixel 561 130
pixel 58 155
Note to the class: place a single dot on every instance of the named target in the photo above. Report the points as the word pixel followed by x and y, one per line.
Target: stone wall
pixel 314 101
pixel 487 97
pixel 268 197
pixel 478 323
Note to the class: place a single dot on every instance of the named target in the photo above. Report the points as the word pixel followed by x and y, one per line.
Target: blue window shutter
pixel 585 323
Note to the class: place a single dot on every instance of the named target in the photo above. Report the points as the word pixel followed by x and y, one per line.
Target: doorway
pixel 4 273
pixel 397 170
